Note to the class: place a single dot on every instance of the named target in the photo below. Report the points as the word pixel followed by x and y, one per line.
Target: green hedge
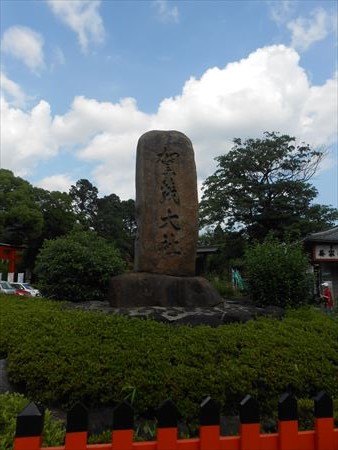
pixel 277 274
pixel 11 404
pixel 59 357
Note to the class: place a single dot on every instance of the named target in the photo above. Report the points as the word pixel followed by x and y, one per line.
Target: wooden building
pixel 323 250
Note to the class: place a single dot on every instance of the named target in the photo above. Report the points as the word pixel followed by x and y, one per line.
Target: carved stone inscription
pixel 166 204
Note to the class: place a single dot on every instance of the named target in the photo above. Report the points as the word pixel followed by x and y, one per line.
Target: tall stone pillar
pixel 167 228
pixel 166 204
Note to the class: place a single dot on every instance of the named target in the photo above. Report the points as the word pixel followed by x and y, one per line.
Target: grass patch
pixel 59 357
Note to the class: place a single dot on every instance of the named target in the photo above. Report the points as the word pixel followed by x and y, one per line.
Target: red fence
pixel 324 436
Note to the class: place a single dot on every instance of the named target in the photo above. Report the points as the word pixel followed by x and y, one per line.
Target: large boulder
pixel 146 289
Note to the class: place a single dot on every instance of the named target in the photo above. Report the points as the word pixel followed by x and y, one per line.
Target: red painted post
pixel 209 425
pixel 324 423
pixel 29 427
pixel 250 424
pixel 166 438
pixel 122 439
pixel 123 427
pixel 167 418
pixel 287 423
pixel 77 427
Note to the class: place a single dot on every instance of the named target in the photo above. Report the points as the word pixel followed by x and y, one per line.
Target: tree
pixel 21 220
pixel 58 215
pixel 129 217
pixel 58 220
pixel 108 221
pixel 115 221
pixel 262 185
pixel 277 274
pixel 78 266
pixel 84 199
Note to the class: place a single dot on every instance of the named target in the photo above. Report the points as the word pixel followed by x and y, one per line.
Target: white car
pixel 6 288
pixel 27 288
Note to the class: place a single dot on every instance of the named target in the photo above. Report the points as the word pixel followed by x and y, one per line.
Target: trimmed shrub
pixel 77 267
pixel 277 274
pixel 59 357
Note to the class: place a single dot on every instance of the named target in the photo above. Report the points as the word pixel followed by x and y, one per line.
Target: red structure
pixel 323 437
pixel 11 254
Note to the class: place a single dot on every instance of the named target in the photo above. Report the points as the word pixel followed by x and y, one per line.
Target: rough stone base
pixel 147 289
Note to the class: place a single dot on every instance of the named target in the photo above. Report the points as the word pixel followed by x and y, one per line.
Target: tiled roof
pixel 330 235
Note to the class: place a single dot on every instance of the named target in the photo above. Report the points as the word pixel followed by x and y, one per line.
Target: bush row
pixel 59 357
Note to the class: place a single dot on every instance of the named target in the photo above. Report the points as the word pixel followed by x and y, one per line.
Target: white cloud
pixel 307 31
pixel 280 10
pixel 88 117
pixel 12 90
pixel 26 45
pixel 26 137
pixel 267 91
pixel 166 13
pixel 61 182
pixel 82 17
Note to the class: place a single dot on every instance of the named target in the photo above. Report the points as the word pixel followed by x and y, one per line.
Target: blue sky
pixel 81 81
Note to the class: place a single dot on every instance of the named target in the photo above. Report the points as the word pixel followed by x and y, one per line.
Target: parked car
pixel 26 287
pixel 23 293
pixel 6 288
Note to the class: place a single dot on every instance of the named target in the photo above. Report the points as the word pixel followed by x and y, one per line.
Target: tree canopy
pixel 21 219
pixel 78 266
pixel 84 200
pixel 30 215
pixel 262 185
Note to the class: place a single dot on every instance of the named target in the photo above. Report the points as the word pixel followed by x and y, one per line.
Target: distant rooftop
pixel 330 235
pixel 207 250
pixel 12 245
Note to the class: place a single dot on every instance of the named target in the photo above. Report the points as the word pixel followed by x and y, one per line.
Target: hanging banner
pixel 10 277
pixel 21 276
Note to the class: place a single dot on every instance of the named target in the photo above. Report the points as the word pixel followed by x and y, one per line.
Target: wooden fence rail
pixel 324 436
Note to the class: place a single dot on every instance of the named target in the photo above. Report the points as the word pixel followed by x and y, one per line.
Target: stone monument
pixel 167 228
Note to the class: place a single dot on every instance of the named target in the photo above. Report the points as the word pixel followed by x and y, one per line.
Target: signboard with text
pixel 326 252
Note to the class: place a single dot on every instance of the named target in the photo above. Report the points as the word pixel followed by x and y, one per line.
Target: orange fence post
pixel 77 428
pixel 167 418
pixel 287 422
pixel 29 427
pixel 250 424
pixel 123 427
pixel 209 425
pixel 324 423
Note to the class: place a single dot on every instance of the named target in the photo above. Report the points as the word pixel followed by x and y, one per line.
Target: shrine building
pixel 11 255
pixel 323 250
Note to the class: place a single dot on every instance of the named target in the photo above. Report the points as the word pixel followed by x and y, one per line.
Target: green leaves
pixel 262 185
pixel 61 357
pixel 21 220
pixel 277 274
pixel 78 266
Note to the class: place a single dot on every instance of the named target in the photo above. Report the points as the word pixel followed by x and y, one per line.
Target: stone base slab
pixel 147 289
